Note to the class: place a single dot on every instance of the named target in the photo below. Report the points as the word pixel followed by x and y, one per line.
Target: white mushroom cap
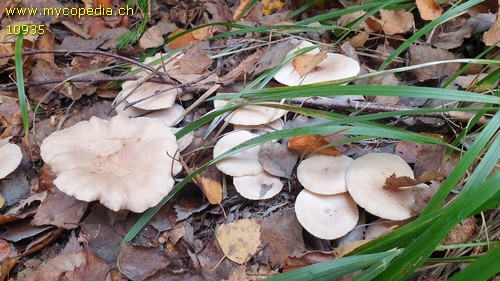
pixel 11 157
pixel 275 125
pixel 244 163
pixel 163 100
pixel 333 67
pixel 130 111
pixel 251 114
pixel 258 187
pixel 170 116
pixel 324 174
pixel 124 163
pixel 326 216
pixel 170 64
pixel 379 228
pixel 185 141
pixel 365 179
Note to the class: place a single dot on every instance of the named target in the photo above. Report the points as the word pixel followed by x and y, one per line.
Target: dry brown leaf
pixel 139 263
pixel 306 63
pixel 239 240
pixel 182 41
pixel 104 3
pixel 462 232
pixel 492 36
pixel 394 182
pixel 423 54
pixel 60 210
pixel 195 61
pixel 203 33
pixel 428 9
pixel 238 72
pixel 311 257
pixel 211 188
pixel 238 13
pixel 277 160
pixel 359 40
pixel 312 143
pixel 396 22
pixel 45 42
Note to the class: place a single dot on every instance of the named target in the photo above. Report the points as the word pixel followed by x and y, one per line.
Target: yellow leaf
pixel 428 9
pixel 306 63
pixel 239 240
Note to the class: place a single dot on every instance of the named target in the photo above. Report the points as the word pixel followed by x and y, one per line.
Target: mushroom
pixel 333 67
pixel 258 187
pixel 275 125
pixel 326 216
pixel 124 163
pixel 132 94
pixel 324 174
pixel 244 163
pixel 251 114
pixel 380 227
pixel 11 157
pixel 169 116
pixel 366 177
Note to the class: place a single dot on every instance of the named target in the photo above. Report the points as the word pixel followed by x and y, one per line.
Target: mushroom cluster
pixel 124 163
pixel 333 185
pixel 249 177
pixel 11 157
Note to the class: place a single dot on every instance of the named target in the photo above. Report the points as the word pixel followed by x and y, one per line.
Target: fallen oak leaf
pixel 428 9
pixel 404 182
pixel 312 143
pixel 306 63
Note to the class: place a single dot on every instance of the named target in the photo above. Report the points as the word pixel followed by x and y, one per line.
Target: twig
pixel 161 75
pixel 333 104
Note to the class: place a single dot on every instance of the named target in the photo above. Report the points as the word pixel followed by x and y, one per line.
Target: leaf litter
pixel 208 231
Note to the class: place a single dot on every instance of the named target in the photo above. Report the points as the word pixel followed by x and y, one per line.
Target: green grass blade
pixel 18 55
pixel 375 269
pixel 466 161
pixel 428 27
pixel 331 270
pixel 422 247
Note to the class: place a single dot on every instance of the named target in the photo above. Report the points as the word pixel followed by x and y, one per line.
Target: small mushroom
pixel 365 179
pixel 324 174
pixel 275 125
pixel 11 157
pixel 380 227
pixel 124 163
pixel 258 187
pixel 251 114
pixel 132 94
pixel 326 216
pixel 169 116
pixel 244 163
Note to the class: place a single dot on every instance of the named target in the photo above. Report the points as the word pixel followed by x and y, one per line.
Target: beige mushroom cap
pixel 275 125
pixel 258 187
pixel 163 100
pixel 244 163
pixel 169 116
pixel 324 174
pixel 326 216
pixel 11 157
pixel 365 179
pixel 251 114
pixel 124 163
pixel 334 67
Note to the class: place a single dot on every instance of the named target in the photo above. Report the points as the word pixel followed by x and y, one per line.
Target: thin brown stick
pixel 161 75
pixel 333 104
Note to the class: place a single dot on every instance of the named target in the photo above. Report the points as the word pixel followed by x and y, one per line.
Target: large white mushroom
pixel 326 216
pixel 333 67
pixel 258 187
pixel 244 163
pixel 124 163
pixel 365 180
pixel 10 155
pixel 324 174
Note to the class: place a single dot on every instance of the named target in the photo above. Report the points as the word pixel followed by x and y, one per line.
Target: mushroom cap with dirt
pixel 258 187
pixel 324 174
pixel 333 67
pixel 244 163
pixel 124 163
pixel 249 115
pixel 11 157
pixel 326 216
pixel 365 180
pixel 133 92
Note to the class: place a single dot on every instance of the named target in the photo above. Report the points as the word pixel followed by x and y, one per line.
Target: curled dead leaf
pixel 428 9
pixel 394 182
pixel 306 63
pixel 312 143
